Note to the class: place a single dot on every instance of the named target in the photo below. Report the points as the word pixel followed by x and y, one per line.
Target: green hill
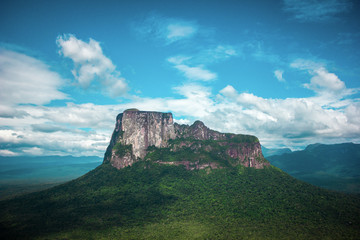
pixel 155 201
pixel 335 167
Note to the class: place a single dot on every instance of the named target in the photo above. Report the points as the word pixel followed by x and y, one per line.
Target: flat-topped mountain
pixel 142 135
pixel 159 198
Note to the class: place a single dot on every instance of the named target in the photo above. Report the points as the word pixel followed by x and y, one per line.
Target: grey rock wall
pixel 140 130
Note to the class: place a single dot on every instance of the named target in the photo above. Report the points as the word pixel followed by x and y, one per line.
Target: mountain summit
pixel 153 136
pixel 159 198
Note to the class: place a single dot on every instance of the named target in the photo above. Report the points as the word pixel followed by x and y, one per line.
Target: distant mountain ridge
pixel 335 166
pixel 274 151
pixel 46 167
pixel 22 174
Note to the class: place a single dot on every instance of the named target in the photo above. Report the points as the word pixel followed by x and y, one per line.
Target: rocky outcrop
pixel 154 136
pixel 198 131
pixel 139 130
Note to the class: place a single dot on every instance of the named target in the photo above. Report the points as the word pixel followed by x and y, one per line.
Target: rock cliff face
pixel 153 136
pixel 138 130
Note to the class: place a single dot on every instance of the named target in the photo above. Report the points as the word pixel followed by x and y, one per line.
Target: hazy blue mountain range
pixel 274 151
pixel 25 174
pixel 334 167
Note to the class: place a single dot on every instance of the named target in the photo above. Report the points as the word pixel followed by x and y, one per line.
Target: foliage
pixel 192 151
pixel 152 201
pixel 132 110
pixel 202 151
pixel 121 149
pixel 240 138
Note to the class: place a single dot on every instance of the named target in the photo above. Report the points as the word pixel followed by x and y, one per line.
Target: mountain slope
pixel 161 180
pixel 335 166
pixel 153 201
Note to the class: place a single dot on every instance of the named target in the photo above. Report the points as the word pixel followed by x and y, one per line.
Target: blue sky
pixel 285 71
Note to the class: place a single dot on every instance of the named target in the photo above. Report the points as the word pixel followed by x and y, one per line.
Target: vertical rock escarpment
pixel 136 131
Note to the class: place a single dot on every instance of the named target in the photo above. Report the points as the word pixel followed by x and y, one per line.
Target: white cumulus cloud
pixel 322 80
pixel 92 65
pixel 329 89
pixel 85 129
pixel 291 122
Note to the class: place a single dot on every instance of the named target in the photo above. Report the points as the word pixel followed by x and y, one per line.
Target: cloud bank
pixel 85 129
pixel 74 129
pixel 29 126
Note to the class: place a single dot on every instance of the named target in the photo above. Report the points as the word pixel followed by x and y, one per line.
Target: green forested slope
pixel 150 201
